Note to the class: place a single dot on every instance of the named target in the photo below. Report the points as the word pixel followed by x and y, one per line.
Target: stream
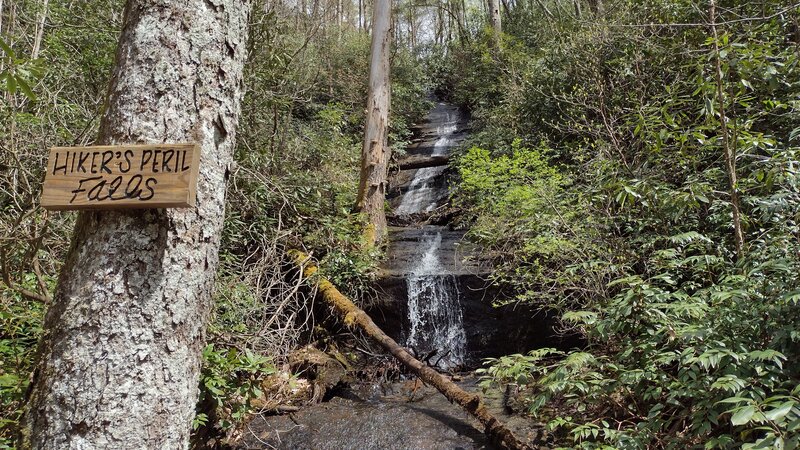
pixel 427 263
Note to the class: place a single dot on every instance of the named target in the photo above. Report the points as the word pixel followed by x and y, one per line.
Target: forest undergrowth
pixel 293 186
pixel 635 167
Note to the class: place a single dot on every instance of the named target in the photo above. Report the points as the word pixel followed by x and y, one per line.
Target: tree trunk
pixel 462 22
pixel 1 20
pixel 121 353
pixel 37 41
pixel 729 148
pixel 339 14
pixel 361 15
pixel 495 20
pixel 375 153
pixel 795 28
pixel 432 161
pixel 355 318
pixel 439 37
pixel 596 7
pixel 412 28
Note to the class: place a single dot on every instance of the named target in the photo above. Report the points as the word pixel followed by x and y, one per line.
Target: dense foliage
pixel 633 165
pixel 626 226
pixel 294 184
pixel 51 99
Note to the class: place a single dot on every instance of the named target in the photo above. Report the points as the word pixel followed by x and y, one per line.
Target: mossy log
pixel 355 318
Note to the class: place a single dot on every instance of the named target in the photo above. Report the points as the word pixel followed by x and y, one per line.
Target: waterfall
pixel 422 192
pixel 434 310
pixel 435 317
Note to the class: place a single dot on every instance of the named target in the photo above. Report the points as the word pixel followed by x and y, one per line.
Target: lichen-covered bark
pixel 495 19
pixel 355 318
pixel 375 154
pixel 120 357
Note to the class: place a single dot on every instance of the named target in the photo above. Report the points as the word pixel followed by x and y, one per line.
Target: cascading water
pixel 434 307
pixel 421 194
pixel 434 310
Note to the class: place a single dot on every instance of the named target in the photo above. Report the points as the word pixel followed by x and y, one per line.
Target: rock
pixel 490 331
pixel 420 162
pixel 406 249
pixel 397 416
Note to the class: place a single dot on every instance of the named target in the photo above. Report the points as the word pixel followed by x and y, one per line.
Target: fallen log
pixel 421 163
pixel 354 317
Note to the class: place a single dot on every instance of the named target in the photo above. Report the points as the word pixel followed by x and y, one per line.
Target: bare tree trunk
pixel 339 14
pixel 439 37
pixel 1 19
pixel 37 41
pixel 412 27
pixel 495 20
pixel 506 8
pixel 355 318
pixel 376 152
pixel 449 28
pixel 596 7
pixel 729 150
pixel 361 15
pixel 795 26
pixel 121 353
pixel 301 14
pixel 462 21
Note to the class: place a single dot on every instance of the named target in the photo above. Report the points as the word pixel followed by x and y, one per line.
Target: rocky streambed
pixel 401 416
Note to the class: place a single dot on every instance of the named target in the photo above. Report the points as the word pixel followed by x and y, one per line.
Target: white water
pixel 434 307
pixel 422 192
pixel 434 310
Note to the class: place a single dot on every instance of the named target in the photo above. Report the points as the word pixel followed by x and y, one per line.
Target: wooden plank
pixel 121 177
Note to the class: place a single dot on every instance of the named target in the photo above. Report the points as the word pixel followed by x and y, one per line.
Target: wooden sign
pixel 121 176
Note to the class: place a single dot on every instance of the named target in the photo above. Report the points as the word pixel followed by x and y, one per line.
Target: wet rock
pixel 490 331
pixel 348 424
pixel 419 162
pixel 407 245
pixel 428 190
pixel 396 416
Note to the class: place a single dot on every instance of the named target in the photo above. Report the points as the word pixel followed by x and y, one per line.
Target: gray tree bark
pixel 121 353
pixel 597 7
pixel 37 41
pixel 375 153
pixel 495 19
pixel 1 17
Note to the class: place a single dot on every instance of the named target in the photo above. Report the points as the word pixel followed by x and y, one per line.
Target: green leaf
pixel 11 83
pixel 8 379
pixel 734 400
pixel 7 49
pixel 794 134
pixel 26 89
pixel 779 412
pixel 709 107
pixel 743 415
